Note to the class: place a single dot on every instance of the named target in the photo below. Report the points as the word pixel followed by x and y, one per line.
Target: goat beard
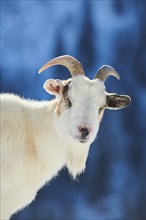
pixel 76 158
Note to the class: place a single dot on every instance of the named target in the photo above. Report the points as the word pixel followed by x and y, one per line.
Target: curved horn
pixel 106 71
pixel 73 65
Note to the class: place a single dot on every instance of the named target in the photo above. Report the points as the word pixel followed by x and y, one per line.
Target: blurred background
pixel 95 32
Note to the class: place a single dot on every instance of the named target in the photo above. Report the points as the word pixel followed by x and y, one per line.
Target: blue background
pixel 96 33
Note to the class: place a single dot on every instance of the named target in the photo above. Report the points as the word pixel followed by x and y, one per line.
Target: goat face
pixel 86 97
pixel 81 102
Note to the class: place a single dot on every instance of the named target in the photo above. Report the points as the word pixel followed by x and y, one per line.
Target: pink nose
pixel 84 130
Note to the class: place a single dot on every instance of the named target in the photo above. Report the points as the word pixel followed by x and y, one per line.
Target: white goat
pixel 40 138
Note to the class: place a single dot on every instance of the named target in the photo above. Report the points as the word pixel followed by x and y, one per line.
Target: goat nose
pixel 84 130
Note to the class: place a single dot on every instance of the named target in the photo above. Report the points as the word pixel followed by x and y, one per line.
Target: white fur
pixel 36 142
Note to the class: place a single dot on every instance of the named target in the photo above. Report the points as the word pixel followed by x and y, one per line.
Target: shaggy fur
pixel 40 138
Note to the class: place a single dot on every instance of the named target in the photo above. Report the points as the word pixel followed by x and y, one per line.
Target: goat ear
pixel 54 87
pixel 115 101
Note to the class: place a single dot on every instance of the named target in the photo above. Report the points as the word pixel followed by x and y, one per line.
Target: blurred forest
pixel 100 32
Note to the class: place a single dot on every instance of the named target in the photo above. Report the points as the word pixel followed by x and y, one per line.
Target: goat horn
pixel 106 71
pixel 73 65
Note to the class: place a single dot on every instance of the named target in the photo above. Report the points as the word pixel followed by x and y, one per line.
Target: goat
pixel 39 138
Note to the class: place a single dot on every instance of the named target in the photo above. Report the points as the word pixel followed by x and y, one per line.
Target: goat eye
pixel 68 102
pixel 101 109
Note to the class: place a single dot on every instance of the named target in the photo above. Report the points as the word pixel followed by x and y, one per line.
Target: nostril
pixel 84 130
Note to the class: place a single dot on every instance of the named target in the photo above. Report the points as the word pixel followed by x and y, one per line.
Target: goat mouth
pixel 81 139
